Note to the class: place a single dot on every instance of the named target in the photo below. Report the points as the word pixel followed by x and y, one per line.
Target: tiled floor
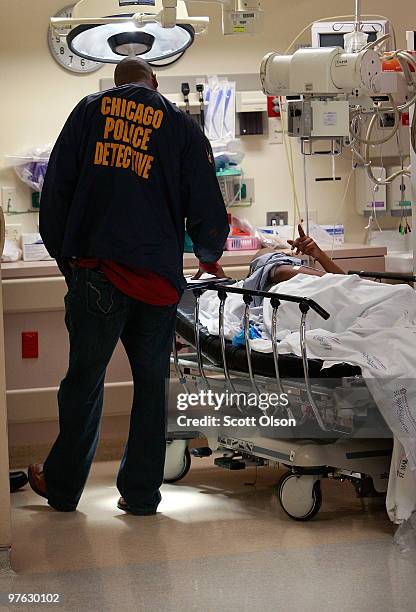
pixel 218 543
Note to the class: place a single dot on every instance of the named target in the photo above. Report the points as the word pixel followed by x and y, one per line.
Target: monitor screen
pixel 336 39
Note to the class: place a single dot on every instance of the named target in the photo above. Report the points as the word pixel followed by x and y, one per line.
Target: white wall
pixel 37 95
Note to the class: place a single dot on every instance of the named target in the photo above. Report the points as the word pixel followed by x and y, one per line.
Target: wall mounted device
pixel 370 198
pixel 332 33
pixel 318 118
pixel 399 196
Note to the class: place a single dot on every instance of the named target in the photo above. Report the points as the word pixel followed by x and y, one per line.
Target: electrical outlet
pixel 14 233
pixel 8 198
pixel 281 218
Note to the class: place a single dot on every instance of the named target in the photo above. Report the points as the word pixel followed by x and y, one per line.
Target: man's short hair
pixel 132 70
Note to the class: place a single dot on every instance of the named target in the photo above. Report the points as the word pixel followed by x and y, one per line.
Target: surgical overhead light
pixel 159 31
pixel 107 30
pixel 110 43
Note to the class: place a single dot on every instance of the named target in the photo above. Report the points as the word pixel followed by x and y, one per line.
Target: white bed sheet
pixel 372 325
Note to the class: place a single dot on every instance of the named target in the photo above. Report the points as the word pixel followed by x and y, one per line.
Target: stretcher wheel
pixel 300 496
pixel 178 461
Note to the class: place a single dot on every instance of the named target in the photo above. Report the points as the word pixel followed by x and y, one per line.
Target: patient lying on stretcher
pixel 355 305
pixel 304 245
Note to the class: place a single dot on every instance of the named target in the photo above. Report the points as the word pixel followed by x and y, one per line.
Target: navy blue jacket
pixel 125 173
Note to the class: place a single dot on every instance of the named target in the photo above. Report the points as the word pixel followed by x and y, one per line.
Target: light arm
pixel 167 17
pixel 199 23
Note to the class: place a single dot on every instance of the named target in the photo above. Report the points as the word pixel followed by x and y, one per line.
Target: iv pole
pixel 357 21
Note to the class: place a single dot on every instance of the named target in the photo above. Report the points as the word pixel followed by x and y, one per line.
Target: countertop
pixel 32 269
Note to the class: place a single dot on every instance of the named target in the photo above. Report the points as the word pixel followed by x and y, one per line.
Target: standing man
pixel 126 172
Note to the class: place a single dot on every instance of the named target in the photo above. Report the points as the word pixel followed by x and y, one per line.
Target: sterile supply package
pixel 11 251
pixel 33 248
pixel 276 236
pixel 220 109
pixel 31 166
pixel 335 232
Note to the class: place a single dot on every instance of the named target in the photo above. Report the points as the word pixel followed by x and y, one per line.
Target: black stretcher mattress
pixel 290 366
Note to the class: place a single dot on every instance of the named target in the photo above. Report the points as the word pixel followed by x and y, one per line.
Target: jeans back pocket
pixel 103 299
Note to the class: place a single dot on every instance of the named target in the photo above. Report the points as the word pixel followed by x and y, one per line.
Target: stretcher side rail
pixel 305 305
pixel 406 278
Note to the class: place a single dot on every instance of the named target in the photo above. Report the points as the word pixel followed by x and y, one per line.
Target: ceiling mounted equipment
pixel 106 31
pixel 110 43
pixel 159 31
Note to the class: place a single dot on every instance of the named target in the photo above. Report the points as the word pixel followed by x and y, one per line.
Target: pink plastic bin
pixel 242 243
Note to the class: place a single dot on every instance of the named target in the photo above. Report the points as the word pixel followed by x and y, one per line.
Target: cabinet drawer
pixel 234 272
pixel 47 293
pixel 33 294
pixel 369 264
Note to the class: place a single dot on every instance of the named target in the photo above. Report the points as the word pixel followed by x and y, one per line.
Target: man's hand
pixel 214 269
pixel 305 245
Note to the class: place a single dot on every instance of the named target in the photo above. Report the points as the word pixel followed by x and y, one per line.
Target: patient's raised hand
pixel 305 245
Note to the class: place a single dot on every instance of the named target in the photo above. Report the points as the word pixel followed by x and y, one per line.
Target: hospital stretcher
pixel 340 432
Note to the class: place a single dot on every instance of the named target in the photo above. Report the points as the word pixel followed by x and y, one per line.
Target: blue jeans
pixel 97 316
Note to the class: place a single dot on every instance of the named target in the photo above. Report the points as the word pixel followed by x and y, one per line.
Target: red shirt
pixel 139 284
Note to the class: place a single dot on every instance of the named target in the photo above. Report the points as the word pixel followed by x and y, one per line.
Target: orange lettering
pixel 119 160
pixel 148 165
pixel 123 107
pixel 138 115
pixel 98 154
pixel 129 111
pixel 105 105
pixel 109 126
pixel 131 131
pixel 127 157
pixel 126 132
pixel 105 153
pixel 141 165
pixel 138 132
pixel 114 150
pixel 118 129
pixel 115 106
pixel 146 138
pixel 157 119
pixel 148 115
